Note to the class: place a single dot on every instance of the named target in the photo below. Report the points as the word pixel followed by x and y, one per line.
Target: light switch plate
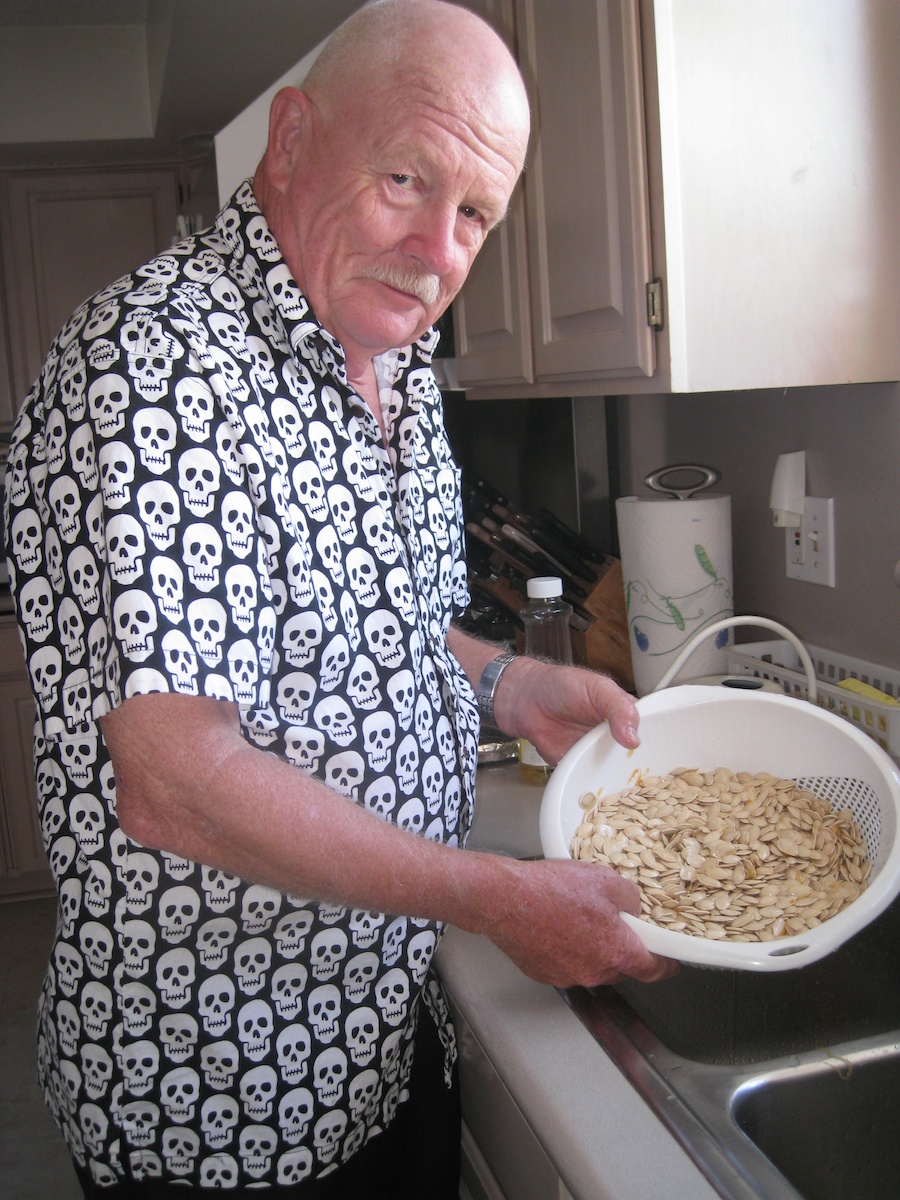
pixel 809 548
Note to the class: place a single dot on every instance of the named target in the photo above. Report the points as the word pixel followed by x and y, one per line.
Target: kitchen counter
pixel 599 1136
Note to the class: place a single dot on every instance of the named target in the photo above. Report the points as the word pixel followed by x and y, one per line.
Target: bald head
pixel 385 172
pixel 389 48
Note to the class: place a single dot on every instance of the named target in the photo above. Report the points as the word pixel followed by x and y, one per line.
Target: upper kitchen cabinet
pixel 491 319
pixel 745 156
pixel 559 290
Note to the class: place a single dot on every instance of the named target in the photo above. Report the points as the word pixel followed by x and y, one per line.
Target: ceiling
pixel 206 60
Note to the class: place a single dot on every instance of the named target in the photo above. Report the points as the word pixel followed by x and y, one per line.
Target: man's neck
pixel 365 384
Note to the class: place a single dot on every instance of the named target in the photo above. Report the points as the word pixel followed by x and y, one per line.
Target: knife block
pixel 604 645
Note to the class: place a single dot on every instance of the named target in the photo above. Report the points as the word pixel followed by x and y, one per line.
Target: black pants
pixel 417 1158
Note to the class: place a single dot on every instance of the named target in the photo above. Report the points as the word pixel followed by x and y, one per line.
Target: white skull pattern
pixel 228 523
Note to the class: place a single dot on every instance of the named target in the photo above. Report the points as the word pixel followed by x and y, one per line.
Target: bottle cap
pixel 544 587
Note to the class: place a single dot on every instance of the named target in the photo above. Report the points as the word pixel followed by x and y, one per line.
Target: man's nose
pixel 432 239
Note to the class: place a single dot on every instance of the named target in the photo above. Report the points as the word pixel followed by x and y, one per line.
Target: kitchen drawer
pixel 502 1157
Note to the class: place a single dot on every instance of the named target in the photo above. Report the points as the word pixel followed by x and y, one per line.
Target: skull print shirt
pixel 199 503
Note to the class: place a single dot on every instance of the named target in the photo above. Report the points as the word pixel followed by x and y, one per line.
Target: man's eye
pixel 401 180
pixel 470 213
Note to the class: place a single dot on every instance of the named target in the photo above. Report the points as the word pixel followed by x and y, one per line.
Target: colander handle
pixel 727 623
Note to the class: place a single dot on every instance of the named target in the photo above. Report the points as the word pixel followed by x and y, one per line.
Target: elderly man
pixel 257 727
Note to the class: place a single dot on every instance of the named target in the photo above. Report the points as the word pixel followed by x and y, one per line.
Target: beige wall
pixel 851 436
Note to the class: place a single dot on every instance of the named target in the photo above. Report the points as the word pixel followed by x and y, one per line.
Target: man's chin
pixel 387 328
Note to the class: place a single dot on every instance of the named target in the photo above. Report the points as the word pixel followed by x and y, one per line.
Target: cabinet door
pixel 23 862
pixel 68 235
pixel 7 403
pixel 491 315
pixel 586 189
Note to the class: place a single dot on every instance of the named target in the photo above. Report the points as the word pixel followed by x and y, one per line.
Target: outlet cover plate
pixel 809 549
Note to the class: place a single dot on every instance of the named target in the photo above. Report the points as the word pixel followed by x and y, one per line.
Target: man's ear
pixel 288 117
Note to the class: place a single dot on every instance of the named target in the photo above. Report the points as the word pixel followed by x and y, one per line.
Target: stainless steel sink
pixel 779 1086
pixel 831 1126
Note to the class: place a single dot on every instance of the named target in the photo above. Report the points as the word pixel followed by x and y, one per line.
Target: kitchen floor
pixel 34 1162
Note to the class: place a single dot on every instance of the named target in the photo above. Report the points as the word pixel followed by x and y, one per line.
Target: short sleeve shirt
pixel 199 503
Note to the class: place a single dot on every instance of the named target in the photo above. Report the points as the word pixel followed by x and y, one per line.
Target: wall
pixel 240 145
pixel 851 436
pixel 47 95
pixel 524 448
pixel 548 453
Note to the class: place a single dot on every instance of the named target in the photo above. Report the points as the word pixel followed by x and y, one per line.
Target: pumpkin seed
pixel 769 859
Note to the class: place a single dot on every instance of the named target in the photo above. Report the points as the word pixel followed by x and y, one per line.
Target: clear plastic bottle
pixel 547 635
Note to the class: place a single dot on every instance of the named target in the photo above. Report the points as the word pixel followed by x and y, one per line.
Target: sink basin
pixel 735 1017
pixel 830 1127
pixel 780 1086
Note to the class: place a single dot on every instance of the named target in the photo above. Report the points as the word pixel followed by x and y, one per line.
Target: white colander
pixel 708 727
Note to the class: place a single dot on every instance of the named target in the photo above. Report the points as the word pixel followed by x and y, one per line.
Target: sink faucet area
pixel 737 1084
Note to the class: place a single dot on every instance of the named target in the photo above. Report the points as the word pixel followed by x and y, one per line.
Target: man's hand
pixel 554 706
pixel 551 705
pixel 559 923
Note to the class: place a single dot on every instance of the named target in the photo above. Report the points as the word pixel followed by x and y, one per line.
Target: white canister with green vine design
pixel 675 548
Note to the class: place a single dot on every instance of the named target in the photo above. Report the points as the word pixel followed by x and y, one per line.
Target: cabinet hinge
pixel 655 315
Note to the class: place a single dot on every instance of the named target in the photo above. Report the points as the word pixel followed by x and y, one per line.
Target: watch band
pixel 487 684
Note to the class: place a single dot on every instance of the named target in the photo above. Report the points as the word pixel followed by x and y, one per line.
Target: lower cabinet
pixel 24 870
pixel 502 1158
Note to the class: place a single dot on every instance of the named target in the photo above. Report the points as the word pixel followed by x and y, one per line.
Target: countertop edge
pixel 601 1136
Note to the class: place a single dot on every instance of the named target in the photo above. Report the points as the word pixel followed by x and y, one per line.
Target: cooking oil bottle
pixel 547 635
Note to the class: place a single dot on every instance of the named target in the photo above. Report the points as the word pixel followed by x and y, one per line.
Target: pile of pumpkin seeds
pixel 725 855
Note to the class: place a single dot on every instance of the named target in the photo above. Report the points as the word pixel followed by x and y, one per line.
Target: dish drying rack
pixel 779 662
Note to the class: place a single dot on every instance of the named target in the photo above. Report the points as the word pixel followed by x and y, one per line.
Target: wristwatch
pixel 487 684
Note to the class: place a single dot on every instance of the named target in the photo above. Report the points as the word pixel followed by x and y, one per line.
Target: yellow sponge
pixel 864 689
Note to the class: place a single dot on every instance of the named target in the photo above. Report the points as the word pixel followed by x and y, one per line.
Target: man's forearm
pixel 188 783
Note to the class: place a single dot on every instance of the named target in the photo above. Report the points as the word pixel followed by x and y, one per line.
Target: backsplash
pixel 851 436
pixel 552 453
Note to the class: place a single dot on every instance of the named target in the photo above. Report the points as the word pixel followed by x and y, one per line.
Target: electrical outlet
pixel 809 547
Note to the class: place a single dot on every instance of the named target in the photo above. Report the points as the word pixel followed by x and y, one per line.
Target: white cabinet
pixel 502 1158
pixel 764 167
pixel 589 243
pixel 558 292
pixel 491 315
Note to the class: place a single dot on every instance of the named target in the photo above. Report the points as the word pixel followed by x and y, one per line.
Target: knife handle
pixel 489 492
pixel 545 562
pixel 510 517
pixel 578 544
pixel 500 550
pixel 570 561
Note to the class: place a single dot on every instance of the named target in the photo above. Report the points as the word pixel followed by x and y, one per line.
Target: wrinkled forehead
pixel 425 121
pixel 484 109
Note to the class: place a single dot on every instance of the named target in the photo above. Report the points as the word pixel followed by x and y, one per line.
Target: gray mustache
pixel 421 284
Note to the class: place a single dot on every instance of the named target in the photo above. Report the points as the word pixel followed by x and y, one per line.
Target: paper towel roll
pixel 677 572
